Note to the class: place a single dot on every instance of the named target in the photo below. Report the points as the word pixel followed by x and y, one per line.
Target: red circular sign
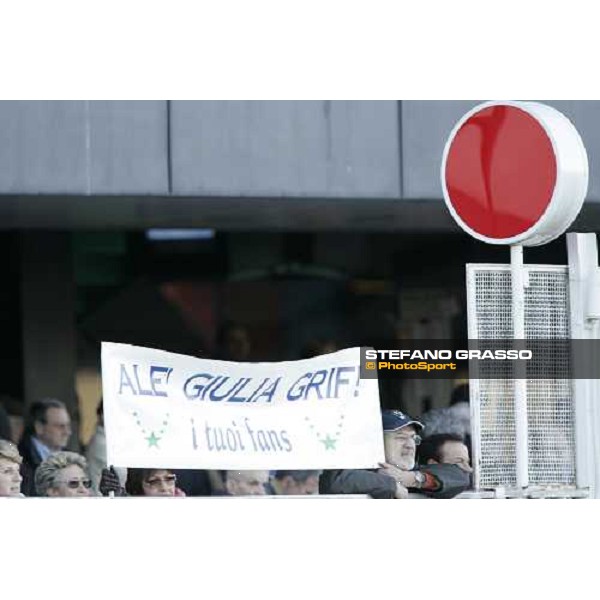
pixel 500 171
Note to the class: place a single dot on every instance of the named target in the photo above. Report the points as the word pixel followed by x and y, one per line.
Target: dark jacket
pixel 5 429
pixel 31 461
pixel 451 478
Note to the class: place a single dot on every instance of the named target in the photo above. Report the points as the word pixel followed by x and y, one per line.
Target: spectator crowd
pixel 436 466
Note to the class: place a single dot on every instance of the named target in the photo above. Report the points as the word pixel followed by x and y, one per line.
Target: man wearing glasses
pixel 398 475
pixel 47 432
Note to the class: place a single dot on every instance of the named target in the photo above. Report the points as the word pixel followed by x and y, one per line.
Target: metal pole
pixel 583 262
pixel 520 382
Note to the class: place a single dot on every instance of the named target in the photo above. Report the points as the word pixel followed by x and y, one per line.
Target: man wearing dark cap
pixel 398 475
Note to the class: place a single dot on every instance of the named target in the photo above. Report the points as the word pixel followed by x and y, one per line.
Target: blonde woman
pixel 63 474
pixel 10 474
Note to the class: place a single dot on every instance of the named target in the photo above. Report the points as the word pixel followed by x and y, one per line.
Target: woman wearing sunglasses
pixel 63 474
pixel 152 482
pixel 141 482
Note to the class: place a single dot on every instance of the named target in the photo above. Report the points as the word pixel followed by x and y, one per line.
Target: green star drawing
pixel 329 443
pixel 152 440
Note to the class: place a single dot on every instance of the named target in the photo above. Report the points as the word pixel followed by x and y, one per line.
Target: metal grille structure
pixel 550 406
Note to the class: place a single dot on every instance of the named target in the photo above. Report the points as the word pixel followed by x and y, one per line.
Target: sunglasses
pixel 73 484
pixel 156 481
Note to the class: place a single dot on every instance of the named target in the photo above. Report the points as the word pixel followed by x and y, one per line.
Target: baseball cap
pixel 396 419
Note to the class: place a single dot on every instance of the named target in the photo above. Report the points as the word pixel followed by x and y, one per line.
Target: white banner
pixel 173 411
